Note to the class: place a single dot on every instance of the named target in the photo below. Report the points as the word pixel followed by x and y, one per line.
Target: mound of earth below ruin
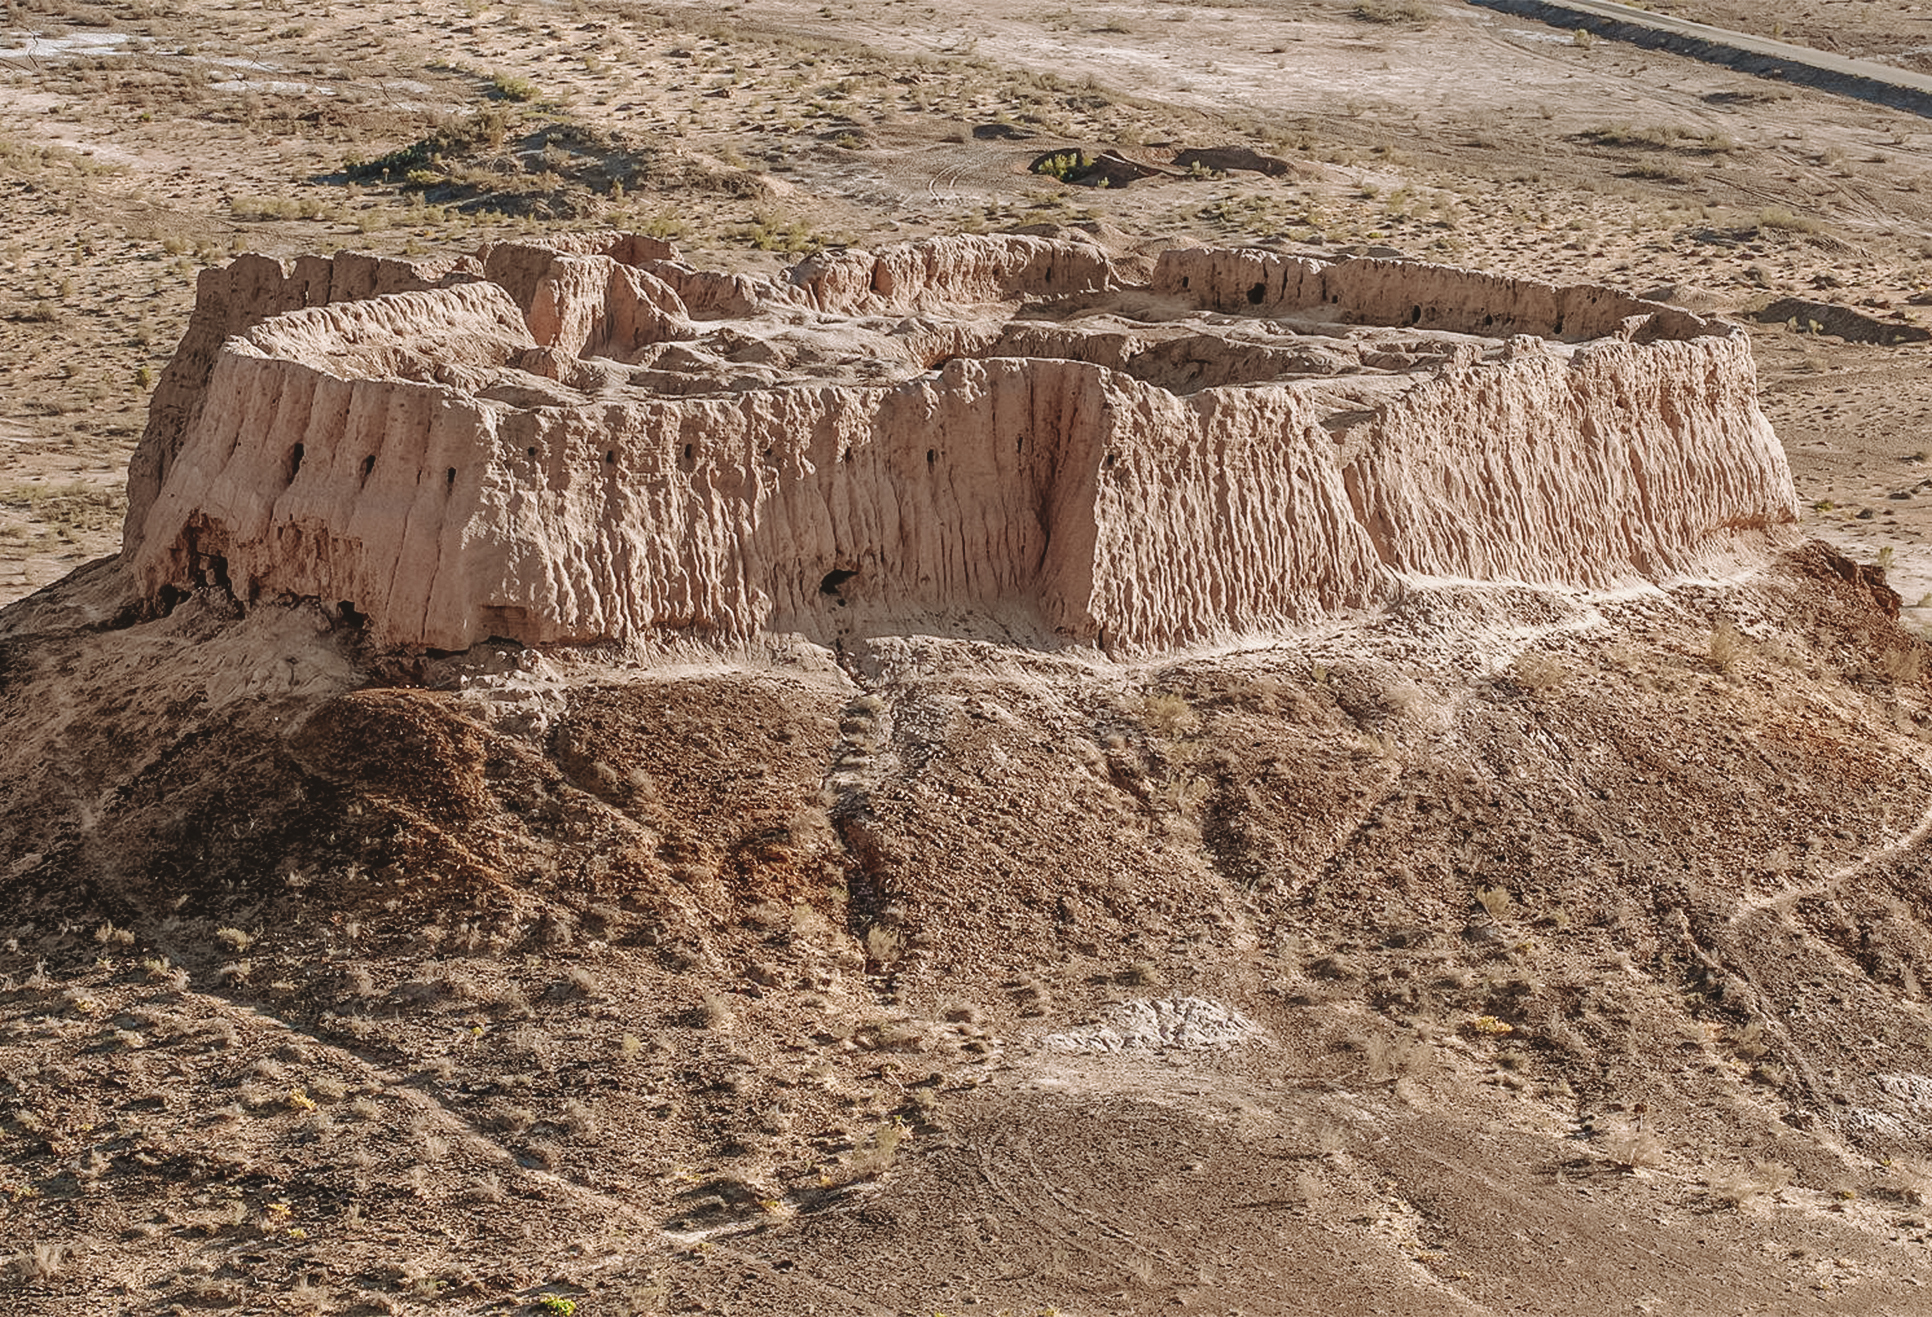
pixel 1461 959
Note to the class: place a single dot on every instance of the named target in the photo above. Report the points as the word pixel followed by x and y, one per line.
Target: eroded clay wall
pixel 230 299
pixel 369 455
pixel 1249 280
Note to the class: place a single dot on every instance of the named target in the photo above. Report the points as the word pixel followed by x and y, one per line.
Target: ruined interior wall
pixel 1248 280
pixel 951 270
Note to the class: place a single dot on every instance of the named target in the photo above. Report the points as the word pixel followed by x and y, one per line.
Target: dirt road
pixel 1762 56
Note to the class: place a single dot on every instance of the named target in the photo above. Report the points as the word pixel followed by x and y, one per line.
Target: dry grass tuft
pixel 1539 672
pixel 1780 220
pixel 1739 1186
pixel 1727 646
pixel 1633 1148
pixel 1167 715
pixel 1904 666
pixel 42 1261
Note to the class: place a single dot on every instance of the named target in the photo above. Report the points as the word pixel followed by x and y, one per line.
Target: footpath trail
pixel 1857 78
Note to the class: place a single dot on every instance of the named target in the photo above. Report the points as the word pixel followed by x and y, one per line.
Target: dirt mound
pixel 1811 317
pixel 1246 159
pixel 994 436
pixel 491 162
pixel 1110 168
pixel 744 977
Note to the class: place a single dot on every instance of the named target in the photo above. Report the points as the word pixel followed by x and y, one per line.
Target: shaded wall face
pixel 228 301
pixel 306 485
pixel 938 504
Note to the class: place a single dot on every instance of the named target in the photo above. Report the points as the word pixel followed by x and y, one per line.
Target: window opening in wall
pixel 835 581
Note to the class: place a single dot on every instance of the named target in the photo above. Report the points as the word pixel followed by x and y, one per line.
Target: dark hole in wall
pixel 294 461
pixel 449 478
pixel 368 466
pixel 932 456
pixel 834 581
pixel 530 453
pixel 1415 315
pixel 1256 293
pixel 610 457
pixel 690 454
pixel 350 616
pixel 212 569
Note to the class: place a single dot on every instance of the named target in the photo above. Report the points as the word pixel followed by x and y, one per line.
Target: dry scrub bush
pixel 1633 1147
pixel 884 945
pixel 1388 1056
pixel 41 1262
pixel 1738 1187
pixel 1539 672
pixel 1495 900
pixel 1726 646
pixel 1779 220
pixel 1167 715
pixel 1908 1181
pixel 1748 1044
pixel 877 1157
pixel 1904 666
pixel 1393 11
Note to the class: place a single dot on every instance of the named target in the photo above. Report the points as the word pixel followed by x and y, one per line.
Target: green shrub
pixel 506 88
pixel 1064 165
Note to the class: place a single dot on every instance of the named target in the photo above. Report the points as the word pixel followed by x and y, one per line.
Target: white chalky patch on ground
pixel 1915 1090
pixel 1864 1120
pixel 1135 1026
pixel 74 43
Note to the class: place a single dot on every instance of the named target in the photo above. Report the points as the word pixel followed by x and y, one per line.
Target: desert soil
pixel 258 1062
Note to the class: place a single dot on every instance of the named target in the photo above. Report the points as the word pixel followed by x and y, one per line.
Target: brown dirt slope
pixel 1550 951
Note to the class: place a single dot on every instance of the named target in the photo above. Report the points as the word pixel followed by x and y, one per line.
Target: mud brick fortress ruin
pixel 1013 437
